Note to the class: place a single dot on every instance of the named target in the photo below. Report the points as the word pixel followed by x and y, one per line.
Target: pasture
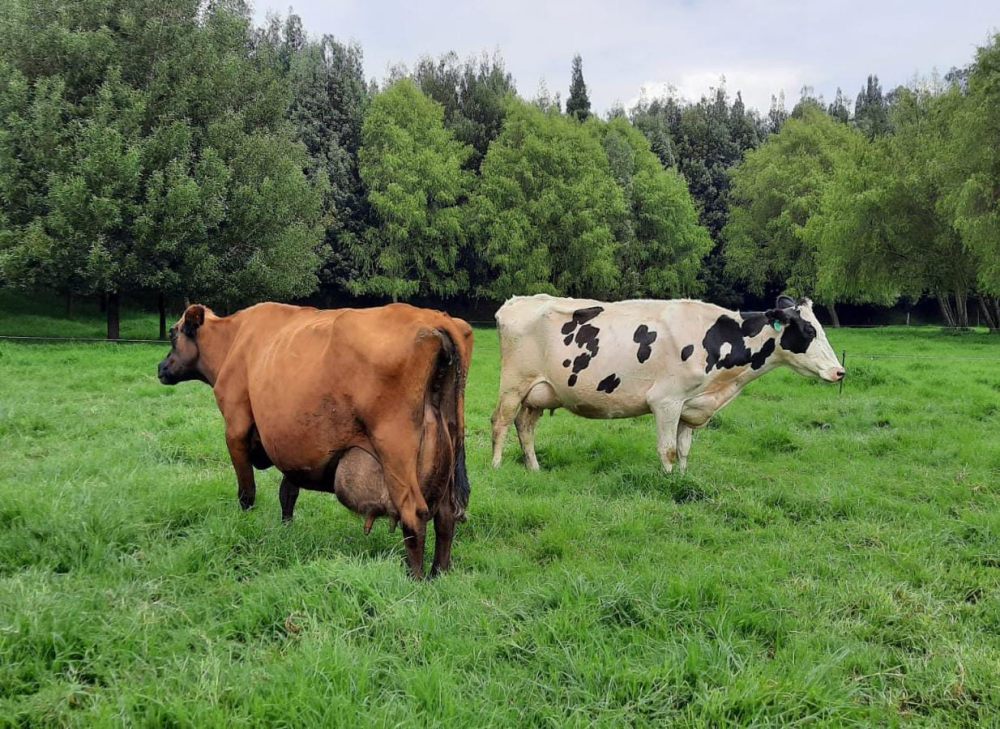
pixel 828 559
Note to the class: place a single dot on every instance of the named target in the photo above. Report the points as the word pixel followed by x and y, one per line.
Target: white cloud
pixel 756 86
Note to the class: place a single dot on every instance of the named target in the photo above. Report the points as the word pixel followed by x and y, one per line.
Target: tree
pixel 578 102
pixel 972 166
pixel 777 115
pixel 706 140
pixel 646 118
pixel 776 190
pixel 474 95
pixel 661 243
pixel 329 98
pixel 173 171
pixel 547 209
pixel 881 231
pixel 871 112
pixel 807 100
pixel 413 169
pixel 838 108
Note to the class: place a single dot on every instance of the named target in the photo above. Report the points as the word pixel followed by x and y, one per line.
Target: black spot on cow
pixel 580 317
pixel 797 333
pixel 753 323
pixel 581 362
pixel 609 384
pixel 687 352
pixel 798 336
pixel 644 338
pixel 726 330
pixel 586 338
pixel 758 359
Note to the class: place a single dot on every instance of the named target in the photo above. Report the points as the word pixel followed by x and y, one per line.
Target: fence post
pixel 843 362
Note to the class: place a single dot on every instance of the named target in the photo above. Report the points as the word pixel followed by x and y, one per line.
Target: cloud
pixel 757 86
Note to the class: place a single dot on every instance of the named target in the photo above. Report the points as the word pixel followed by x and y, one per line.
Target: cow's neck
pixel 727 383
pixel 215 338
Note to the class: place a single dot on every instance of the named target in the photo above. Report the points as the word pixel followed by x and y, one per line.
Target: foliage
pixel 972 158
pixel 661 244
pixel 578 101
pixel 871 110
pixel 413 169
pixel 547 210
pixel 882 231
pixel 706 139
pixel 776 190
pixel 474 95
pixel 329 98
pixel 151 155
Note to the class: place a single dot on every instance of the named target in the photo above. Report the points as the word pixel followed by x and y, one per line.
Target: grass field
pixel 829 559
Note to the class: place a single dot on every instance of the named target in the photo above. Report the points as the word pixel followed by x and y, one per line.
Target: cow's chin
pixel 173 378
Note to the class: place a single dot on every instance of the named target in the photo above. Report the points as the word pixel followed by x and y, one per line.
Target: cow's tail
pixel 450 377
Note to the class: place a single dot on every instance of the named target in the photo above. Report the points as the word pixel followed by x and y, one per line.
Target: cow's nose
pixel 840 374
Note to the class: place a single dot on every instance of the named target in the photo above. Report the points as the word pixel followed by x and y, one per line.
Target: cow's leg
pixel 288 493
pixel 444 532
pixel 684 434
pixel 238 432
pixel 503 416
pixel 526 420
pixel 414 541
pixel 668 417
pixel 397 446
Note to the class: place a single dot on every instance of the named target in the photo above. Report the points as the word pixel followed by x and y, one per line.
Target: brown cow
pixel 366 403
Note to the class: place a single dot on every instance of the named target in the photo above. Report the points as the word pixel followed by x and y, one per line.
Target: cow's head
pixel 181 363
pixel 802 342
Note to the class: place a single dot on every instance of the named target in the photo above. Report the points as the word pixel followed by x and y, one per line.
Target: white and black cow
pixel 681 360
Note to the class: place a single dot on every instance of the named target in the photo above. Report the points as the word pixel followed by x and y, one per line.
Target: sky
pixel 628 46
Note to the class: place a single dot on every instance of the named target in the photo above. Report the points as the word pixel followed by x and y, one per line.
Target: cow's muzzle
pixel 163 372
pixel 835 375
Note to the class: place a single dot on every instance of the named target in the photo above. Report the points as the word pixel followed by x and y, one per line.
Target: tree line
pixel 898 202
pixel 175 151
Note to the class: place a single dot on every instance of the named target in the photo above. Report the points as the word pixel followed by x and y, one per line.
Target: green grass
pixel 828 560
pixel 30 316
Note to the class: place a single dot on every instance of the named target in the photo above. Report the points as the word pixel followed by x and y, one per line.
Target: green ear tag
pixel 777 326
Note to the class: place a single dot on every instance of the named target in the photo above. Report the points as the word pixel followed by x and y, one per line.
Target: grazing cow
pixel 681 360
pixel 365 403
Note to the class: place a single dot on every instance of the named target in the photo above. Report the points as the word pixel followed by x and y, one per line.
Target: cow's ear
pixel 785 302
pixel 777 315
pixel 194 317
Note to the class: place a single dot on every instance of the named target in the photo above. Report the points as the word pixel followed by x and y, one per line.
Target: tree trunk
pixel 161 304
pixel 946 311
pixel 834 319
pixel 961 310
pixel 991 313
pixel 114 315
